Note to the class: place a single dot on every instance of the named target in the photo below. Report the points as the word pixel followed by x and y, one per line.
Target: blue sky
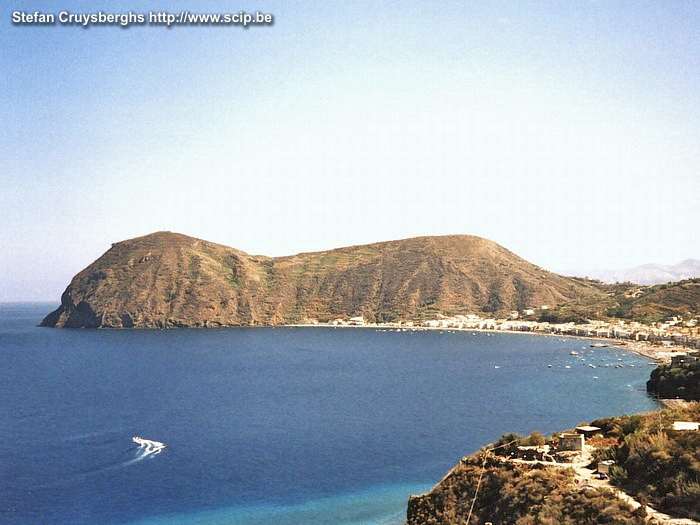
pixel 568 132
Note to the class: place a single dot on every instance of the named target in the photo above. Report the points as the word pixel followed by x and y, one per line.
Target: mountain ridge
pixel 167 279
pixel 652 273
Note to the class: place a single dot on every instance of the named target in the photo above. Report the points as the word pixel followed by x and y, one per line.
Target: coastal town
pixel 666 339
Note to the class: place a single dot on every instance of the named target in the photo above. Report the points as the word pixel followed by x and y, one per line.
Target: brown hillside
pixel 167 279
pixel 647 304
pixel 680 298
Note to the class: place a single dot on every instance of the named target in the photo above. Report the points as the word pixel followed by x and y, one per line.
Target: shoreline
pixel 644 348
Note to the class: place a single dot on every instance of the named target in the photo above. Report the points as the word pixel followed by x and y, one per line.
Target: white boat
pixel 152 447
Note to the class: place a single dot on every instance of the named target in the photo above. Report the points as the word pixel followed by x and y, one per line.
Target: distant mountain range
pixel 651 273
pixel 170 280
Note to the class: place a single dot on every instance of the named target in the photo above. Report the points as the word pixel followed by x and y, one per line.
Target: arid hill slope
pixel 647 304
pixel 167 280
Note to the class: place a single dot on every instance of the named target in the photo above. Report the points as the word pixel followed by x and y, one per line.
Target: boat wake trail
pixel 99 436
pixel 91 466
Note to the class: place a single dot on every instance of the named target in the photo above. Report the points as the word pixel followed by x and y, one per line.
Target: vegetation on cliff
pixel 681 381
pixel 629 301
pixel 653 462
pixel 167 279
pixel 516 494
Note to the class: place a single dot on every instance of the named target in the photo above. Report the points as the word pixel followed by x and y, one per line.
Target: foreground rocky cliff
pixel 519 495
pixel 652 461
pixel 169 280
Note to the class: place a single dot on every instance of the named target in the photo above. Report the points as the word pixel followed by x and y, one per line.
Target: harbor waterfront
pixel 655 351
pixel 275 424
pixel 660 343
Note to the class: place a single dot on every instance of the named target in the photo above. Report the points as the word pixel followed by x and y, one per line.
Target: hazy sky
pixel 569 132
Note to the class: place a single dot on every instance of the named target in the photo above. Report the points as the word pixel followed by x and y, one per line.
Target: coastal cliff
pixel 515 494
pixel 679 379
pixel 167 279
pixel 652 462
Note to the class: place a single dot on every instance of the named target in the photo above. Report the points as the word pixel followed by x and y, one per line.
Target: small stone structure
pixel 571 442
pixel 587 430
pixel 531 453
pixel 686 425
pixel 604 466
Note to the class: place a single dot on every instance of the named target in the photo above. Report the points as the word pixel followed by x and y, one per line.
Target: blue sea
pixel 272 425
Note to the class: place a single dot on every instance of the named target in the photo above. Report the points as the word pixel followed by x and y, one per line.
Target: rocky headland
pixel 166 279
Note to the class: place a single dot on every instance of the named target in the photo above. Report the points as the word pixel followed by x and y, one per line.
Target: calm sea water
pixel 272 425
